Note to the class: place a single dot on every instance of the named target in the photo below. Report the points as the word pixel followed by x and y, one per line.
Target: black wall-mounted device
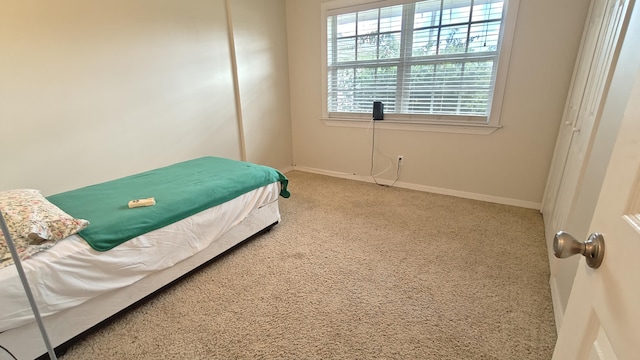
pixel 378 110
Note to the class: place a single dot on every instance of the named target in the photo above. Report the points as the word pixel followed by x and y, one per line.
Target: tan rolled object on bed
pixel 142 202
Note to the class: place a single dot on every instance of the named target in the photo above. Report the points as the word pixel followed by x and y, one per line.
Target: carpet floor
pixel 356 271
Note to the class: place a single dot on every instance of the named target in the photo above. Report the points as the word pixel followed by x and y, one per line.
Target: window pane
pixel 386 87
pixel 478 75
pixel 476 88
pixel 355 89
pixel 389 46
pixel 453 40
pixel 424 42
pixel 447 76
pixel 484 37
pixel 487 10
pixel 456 11
pixel 346 49
pixel 474 103
pixel 364 92
pixel 367 47
pixel 391 19
pixel 342 99
pixel 346 25
pixel 368 22
pixel 460 88
pixel 421 89
pixel 375 84
pixel 427 14
pixel 437 90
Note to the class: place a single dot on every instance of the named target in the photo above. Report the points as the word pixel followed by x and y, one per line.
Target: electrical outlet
pixel 400 159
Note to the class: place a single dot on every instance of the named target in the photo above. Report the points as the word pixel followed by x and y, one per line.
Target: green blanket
pixel 180 190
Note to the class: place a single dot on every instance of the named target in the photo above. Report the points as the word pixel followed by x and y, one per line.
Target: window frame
pixel 422 122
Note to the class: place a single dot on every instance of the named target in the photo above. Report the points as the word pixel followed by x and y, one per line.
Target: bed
pixel 79 283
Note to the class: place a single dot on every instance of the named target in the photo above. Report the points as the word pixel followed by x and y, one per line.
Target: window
pixel 434 61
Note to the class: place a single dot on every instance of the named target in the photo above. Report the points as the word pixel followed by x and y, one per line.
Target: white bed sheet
pixel 71 272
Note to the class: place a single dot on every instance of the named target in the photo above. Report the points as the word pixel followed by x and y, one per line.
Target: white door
pixel 588 84
pixel 583 108
pixel 602 319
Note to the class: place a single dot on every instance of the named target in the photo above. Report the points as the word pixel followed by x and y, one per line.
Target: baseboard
pixel 287 169
pixel 558 311
pixel 431 189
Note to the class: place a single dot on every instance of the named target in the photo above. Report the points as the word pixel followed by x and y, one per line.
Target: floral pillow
pixel 25 247
pixel 33 222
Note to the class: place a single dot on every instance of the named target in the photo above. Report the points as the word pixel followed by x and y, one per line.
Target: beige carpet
pixel 356 271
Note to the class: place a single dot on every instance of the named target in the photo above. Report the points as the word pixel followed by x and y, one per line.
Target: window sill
pixel 414 126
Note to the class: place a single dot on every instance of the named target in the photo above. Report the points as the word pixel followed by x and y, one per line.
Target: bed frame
pixel 25 342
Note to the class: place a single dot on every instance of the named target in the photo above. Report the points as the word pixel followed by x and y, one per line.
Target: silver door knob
pixel 565 245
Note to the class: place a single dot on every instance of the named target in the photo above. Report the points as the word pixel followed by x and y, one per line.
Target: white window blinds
pixel 434 58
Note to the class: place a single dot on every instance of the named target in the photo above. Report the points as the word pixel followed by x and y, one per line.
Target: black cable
pixel 373 146
pixel 397 174
pixel 8 352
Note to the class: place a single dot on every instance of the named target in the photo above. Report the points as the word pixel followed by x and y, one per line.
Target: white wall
pixel 94 90
pixel 510 164
pixel 260 33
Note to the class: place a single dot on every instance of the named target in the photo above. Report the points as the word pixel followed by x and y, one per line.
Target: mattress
pixel 72 273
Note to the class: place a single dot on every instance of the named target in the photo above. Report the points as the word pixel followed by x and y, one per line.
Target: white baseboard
pixel 287 169
pixel 558 311
pixel 431 189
